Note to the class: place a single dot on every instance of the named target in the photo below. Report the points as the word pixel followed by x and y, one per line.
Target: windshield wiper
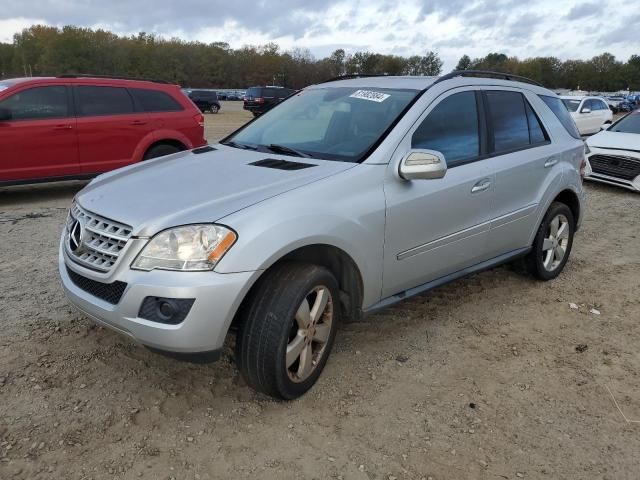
pixel 286 150
pixel 239 145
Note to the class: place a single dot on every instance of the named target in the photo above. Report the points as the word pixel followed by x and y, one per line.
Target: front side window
pixel 38 103
pixel 559 109
pixel 451 128
pixel 154 100
pixel 571 104
pixel 509 119
pixel 334 123
pixel 95 101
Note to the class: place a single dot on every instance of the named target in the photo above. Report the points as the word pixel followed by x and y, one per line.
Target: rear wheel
pixel 214 109
pixel 553 242
pixel 287 331
pixel 160 151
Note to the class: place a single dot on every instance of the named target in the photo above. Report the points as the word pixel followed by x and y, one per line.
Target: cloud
pixel 624 34
pixel 584 10
pixel 407 27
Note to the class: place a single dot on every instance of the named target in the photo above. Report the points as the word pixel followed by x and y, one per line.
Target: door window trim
pixel 497 153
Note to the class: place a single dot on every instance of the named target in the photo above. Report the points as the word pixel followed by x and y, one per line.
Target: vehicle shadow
pixel 42 195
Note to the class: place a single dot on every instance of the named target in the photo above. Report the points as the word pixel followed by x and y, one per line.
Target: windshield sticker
pixel 369 95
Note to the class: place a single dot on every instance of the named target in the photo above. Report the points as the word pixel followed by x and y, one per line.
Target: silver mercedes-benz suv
pixel 349 196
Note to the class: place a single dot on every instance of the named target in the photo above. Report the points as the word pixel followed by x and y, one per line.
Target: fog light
pixel 636 183
pixel 171 311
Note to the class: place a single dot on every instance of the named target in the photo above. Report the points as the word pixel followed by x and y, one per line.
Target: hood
pixel 615 140
pixel 192 187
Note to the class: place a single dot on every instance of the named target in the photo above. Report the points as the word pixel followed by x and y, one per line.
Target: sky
pixel 452 28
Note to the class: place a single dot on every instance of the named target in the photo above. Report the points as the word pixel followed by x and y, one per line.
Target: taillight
pixel 259 100
pixel 583 168
pixel 199 118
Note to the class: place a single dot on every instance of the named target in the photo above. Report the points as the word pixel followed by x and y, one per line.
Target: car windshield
pixel 572 105
pixel 628 124
pixel 339 123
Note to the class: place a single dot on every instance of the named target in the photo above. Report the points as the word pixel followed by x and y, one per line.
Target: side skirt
pixel 425 287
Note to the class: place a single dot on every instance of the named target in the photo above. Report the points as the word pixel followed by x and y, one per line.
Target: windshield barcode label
pixel 369 95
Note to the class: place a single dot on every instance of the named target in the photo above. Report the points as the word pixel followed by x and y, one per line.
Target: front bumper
pixel 217 298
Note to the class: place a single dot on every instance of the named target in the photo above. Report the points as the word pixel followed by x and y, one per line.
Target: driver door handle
pixel 550 162
pixel 481 186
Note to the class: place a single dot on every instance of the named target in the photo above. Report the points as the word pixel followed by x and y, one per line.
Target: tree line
pixel 45 50
pixel 602 73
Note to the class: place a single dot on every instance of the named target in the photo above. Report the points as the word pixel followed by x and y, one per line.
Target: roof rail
pixel 486 74
pixel 354 75
pixel 114 77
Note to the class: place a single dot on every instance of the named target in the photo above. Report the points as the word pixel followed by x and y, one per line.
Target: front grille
pixel 102 240
pixel 626 168
pixel 109 292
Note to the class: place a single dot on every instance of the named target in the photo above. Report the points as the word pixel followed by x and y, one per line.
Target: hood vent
pixel 282 164
pixel 205 149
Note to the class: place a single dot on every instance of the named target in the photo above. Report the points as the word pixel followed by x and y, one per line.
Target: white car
pixel 589 113
pixel 614 153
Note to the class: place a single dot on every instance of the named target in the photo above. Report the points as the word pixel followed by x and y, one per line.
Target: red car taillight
pixel 199 118
pixel 259 100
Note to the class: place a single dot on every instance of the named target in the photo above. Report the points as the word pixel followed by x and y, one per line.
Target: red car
pixel 77 127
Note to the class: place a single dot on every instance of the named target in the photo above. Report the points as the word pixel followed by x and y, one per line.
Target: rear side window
pixel 509 120
pixel 94 101
pixel 537 134
pixel 38 103
pixel 154 100
pixel 452 129
pixel 560 111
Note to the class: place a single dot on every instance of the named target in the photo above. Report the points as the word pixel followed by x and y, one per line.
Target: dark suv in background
pixel 205 100
pixel 258 100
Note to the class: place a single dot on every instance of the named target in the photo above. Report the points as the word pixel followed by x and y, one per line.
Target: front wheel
pixel 214 109
pixel 288 329
pixel 553 242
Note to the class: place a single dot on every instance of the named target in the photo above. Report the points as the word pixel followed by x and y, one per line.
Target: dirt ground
pixel 491 377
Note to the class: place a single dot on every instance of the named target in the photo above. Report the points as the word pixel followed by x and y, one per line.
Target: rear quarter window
pixel 154 100
pixel 561 112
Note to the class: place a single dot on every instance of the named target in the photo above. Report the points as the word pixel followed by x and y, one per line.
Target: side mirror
pixel 423 165
pixel 605 126
pixel 5 114
pixel 585 110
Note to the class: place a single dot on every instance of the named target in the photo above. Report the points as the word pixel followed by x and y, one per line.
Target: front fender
pixel 346 211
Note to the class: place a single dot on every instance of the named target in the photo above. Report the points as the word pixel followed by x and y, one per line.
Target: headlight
pixel 189 248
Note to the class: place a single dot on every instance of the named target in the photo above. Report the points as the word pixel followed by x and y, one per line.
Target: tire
pixel 272 323
pixel 214 109
pixel 160 151
pixel 547 264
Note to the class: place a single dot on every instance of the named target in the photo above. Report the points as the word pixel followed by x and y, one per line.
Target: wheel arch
pixel 166 141
pixel 336 260
pixel 571 200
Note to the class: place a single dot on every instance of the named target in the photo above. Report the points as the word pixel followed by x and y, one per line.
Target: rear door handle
pixel 550 162
pixel 138 122
pixel 63 127
pixel 481 186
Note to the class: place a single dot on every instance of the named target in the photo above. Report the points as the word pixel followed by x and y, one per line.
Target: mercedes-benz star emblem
pixel 76 235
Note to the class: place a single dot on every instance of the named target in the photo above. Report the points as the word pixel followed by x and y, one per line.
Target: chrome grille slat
pixel 105 239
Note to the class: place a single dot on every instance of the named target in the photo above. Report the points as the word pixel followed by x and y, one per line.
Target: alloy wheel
pixel 555 243
pixel 310 332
